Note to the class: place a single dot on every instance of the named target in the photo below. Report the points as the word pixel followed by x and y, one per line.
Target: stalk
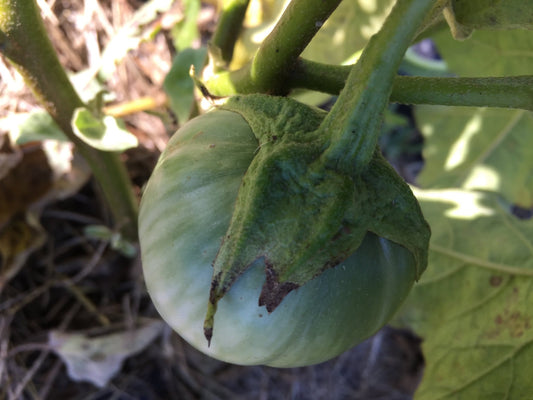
pixel 503 92
pixel 268 70
pixel 353 124
pixel 24 41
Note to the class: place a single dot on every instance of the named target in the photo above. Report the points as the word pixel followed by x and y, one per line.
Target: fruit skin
pixel 185 212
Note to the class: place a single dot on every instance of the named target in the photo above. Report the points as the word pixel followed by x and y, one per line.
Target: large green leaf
pixel 478 148
pixel 488 53
pixel 473 305
pixel 348 30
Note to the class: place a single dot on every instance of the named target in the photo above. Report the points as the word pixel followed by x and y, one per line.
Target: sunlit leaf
pixel 105 133
pixel 348 30
pixel 473 304
pixel 488 53
pixel 478 148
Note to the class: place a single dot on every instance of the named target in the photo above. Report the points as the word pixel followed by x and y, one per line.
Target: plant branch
pixel 24 41
pixel 503 92
pixel 353 124
pixel 229 27
pixel 268 69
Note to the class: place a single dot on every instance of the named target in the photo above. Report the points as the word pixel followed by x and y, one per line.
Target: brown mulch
pixel 111 295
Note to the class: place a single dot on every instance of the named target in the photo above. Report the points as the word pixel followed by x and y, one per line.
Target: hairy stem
pixel 353 124
pixel 24 41
pixel 504 92
pixel 269 68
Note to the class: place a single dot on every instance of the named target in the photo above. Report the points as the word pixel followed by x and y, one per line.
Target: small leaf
pixel 99 359
pixel 115 239
pixel 33 126
pixel 98 232
pixel 185 32
pixel 178 84
pixel 106 133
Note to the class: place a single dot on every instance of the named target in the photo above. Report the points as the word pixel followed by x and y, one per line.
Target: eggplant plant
pixel 275 233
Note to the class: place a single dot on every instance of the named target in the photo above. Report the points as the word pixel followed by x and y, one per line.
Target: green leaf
pixel 347 30
pixel 478 148
pixel 473 304
pixel 185 32
pixel 488 53
pixel 490 14
pixel 32 126
pixel 105 133
pixel 179 86
pixel 101 232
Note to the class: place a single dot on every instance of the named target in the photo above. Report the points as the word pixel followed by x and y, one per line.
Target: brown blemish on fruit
pixel 273 292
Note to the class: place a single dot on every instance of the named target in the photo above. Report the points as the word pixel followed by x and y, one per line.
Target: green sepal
pixel 300 216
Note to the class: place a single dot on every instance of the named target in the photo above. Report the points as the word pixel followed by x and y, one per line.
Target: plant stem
pixel 504 92
pixel 353 124
pixel 268 69
pixel 24 41
pixel 229 27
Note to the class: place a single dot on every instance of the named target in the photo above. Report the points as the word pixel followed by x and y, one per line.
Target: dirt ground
pixel 76 284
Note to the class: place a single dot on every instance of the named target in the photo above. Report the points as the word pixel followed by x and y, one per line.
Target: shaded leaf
pixel 488 53
pixel 478 148
pixel 31 176
pixel 115 239
pixel 347 30
pixel 472 305
pixel 178 84
pixel 105 133
pixel 27 180
pixel 19 238
pixel 99 359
